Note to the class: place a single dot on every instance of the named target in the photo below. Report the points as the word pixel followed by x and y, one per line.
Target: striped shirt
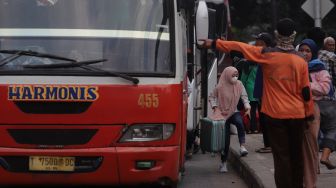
pixel 329 58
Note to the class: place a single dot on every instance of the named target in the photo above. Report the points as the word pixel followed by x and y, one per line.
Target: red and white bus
pixel 92 92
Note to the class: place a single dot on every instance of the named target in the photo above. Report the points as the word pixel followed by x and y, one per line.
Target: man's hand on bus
pixel 206 43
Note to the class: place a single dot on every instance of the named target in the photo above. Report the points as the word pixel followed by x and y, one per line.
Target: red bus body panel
pixel 116 107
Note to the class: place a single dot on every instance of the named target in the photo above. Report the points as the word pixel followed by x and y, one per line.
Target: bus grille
pixel 52 136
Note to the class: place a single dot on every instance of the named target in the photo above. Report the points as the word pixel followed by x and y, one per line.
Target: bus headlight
pixel 147 132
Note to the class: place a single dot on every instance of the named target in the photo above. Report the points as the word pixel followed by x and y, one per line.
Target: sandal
pixel 328 164
pixel 264 150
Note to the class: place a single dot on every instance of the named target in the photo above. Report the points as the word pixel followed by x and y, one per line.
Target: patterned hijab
pixel 284 42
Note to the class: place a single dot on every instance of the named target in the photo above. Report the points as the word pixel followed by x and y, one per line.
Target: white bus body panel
pixel 212 82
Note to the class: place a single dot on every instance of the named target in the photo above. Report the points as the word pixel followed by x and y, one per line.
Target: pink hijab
pixel 227 92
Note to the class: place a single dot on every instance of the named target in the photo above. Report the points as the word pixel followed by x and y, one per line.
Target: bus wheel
pixel 167 183
pixel 171 185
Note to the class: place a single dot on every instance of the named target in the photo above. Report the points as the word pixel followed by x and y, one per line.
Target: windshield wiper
pixel 65 65
pixel 110 73
pixel 157 44
pixel 19 53
pixel 84 65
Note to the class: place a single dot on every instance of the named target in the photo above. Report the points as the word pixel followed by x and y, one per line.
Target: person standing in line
pixel 318 35
pixel 327 137
pixel 248 76
pixel 224 100
pixel 287 102
pixel 320 86
pixel 329 58
pixel 329 44
pixel 263 40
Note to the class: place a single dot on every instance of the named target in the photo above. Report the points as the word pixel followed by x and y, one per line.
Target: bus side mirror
pixel 202 22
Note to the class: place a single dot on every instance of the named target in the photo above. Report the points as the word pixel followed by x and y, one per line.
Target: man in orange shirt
pixel 287 102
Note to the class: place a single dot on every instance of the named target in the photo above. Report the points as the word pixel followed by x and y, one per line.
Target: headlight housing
pixel 148 132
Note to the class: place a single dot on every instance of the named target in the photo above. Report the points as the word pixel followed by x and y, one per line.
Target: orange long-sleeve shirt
pixel 285 74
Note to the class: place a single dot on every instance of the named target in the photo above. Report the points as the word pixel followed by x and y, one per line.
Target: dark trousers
pixel 190 139
pixel 264 130
pixel 286 139
pixel 263 127
pixel 237 120
pixel 253 120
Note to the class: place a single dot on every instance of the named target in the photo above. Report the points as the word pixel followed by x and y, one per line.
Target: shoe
pixel 328 164
pixel 264 150
pixel 243 151
pixel 223 168
pixel 196 148
pixel 188 156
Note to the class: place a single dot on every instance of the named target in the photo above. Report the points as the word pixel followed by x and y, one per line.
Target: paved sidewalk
pixel 257 168
pixel 202 172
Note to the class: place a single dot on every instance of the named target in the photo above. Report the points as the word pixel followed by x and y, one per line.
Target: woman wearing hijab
pixel 320 81
pixel 321 87
pixel 224 100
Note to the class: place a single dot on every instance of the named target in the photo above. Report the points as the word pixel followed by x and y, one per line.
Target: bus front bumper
pixel 98 166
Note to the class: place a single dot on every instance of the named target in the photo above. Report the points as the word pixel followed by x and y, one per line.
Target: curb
pixel 255 169
pixel 244 170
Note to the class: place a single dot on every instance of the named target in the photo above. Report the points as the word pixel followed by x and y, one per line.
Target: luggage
pixel 212 135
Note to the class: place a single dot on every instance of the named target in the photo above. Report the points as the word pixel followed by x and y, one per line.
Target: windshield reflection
pixel 132 35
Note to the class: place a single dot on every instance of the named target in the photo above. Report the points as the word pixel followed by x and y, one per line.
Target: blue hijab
pixel 312 45
pixel 315 64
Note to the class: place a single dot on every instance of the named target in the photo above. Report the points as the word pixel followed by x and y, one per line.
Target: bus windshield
pixel 134 36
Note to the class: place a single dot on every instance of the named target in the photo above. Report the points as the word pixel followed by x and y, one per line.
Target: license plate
pixel 46 163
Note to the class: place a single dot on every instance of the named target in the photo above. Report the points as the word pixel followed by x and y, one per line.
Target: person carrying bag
pixel 224 100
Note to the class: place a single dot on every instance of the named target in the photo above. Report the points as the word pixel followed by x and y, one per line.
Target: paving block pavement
pixel 257 169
